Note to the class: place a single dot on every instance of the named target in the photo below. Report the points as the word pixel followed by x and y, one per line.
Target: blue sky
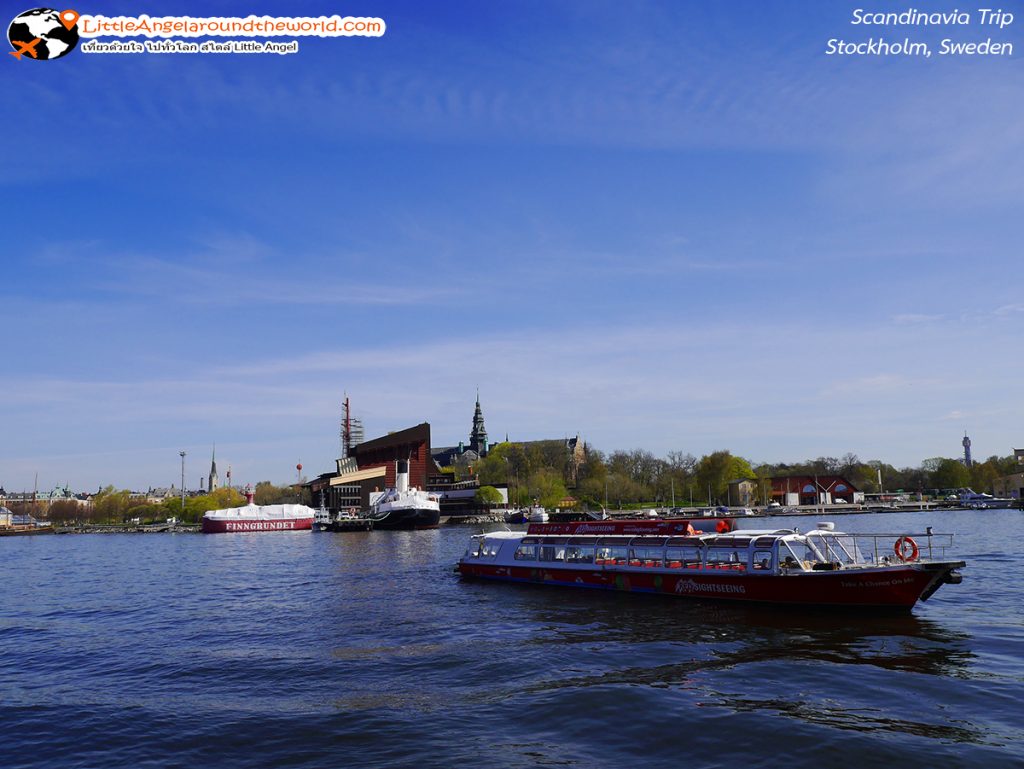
pixel 676 226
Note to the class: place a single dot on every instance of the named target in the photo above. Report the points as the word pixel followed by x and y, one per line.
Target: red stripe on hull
pixel 223 527
pixel 893 588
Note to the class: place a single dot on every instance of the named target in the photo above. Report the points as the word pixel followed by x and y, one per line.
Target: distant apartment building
pixel 1009 486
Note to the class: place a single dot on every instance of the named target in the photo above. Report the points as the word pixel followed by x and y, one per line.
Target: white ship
pixel 402 507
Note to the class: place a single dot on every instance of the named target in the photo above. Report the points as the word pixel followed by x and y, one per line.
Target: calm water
pixel 351 650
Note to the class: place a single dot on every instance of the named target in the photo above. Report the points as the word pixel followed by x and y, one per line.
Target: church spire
pixel 214 481
pixel 478 436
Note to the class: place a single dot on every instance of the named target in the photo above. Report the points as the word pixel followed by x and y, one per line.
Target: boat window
pixel 646 556
pixel 808 550
pixel 795 555
pixel 526 552
pixel 764 542
pixel 682 557
pixel 473 550
pixel 611 555
pixel 552 552
pixel 728 558
pixel 489 548
pixel 841 549
pixel 579 554
pixel 763 560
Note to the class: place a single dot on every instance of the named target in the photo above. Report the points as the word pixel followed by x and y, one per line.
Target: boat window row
pixel 684 553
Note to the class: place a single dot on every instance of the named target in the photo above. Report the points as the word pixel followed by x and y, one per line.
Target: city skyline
pixel 677 226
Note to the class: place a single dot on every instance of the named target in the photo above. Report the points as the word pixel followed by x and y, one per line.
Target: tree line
pixel 541 471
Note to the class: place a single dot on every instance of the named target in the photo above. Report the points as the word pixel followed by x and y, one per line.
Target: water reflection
pixel 742 634
pixel 847 671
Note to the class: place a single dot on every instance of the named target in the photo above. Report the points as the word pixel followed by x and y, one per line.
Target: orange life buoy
pixel 722 527
pixel 900 548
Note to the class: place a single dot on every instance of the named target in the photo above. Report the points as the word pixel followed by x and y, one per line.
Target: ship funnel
pixel 402 475
pixel 249 497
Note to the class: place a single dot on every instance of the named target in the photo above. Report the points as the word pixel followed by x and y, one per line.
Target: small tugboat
pixel 402 507
pixel 252 517
pixel 321 517
pixel 823 567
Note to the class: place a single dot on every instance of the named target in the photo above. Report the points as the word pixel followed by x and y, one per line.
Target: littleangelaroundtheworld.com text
pixel 250 26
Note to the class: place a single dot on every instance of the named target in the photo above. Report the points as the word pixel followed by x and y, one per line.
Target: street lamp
pixel 182 455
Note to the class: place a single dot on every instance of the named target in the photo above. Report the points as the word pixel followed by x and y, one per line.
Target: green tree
pixel 488 496
pixel 547 486
pixel 267 493
pixel 950 474
pixel 64 511
pixel 109 505
pixel 715 470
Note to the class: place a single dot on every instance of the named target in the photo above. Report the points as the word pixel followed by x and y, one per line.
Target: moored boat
pixel 252 517
pixel 402 507
pixel 822 567
pixel 537 514
pixel 981 501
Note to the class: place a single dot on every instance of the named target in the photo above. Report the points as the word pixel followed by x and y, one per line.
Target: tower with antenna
pixel 967 450
pixel 351 432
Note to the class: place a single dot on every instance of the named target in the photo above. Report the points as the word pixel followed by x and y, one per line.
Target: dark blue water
pixel 352 650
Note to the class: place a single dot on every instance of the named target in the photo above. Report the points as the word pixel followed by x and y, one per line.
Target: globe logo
pixel 43 34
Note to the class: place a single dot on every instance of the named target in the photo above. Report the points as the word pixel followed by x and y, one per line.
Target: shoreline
pixel 473 520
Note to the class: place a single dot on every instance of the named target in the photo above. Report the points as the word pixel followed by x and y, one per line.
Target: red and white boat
pixel 259 518
pixel 822 567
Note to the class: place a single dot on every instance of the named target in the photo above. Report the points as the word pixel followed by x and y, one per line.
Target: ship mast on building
pixel 351 432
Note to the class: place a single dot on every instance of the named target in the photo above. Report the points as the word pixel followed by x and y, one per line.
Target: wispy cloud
pixel 911 319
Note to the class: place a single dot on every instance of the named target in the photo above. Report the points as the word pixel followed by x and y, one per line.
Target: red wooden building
pixel 814 490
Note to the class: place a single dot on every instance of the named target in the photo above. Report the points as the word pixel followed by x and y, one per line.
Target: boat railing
pixel 883 549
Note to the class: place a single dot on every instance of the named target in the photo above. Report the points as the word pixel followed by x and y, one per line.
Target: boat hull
pixel 407 518
pixel 899 587
pixel 218 526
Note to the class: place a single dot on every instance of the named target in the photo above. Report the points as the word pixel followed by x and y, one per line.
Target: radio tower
pixel 351 429
pixel 967 450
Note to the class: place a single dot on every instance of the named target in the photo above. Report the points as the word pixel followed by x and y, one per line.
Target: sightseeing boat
pixel 708 559
pixel 252 517
pixel 402 507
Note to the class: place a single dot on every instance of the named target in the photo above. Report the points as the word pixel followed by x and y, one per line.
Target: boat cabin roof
pixel 759 538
